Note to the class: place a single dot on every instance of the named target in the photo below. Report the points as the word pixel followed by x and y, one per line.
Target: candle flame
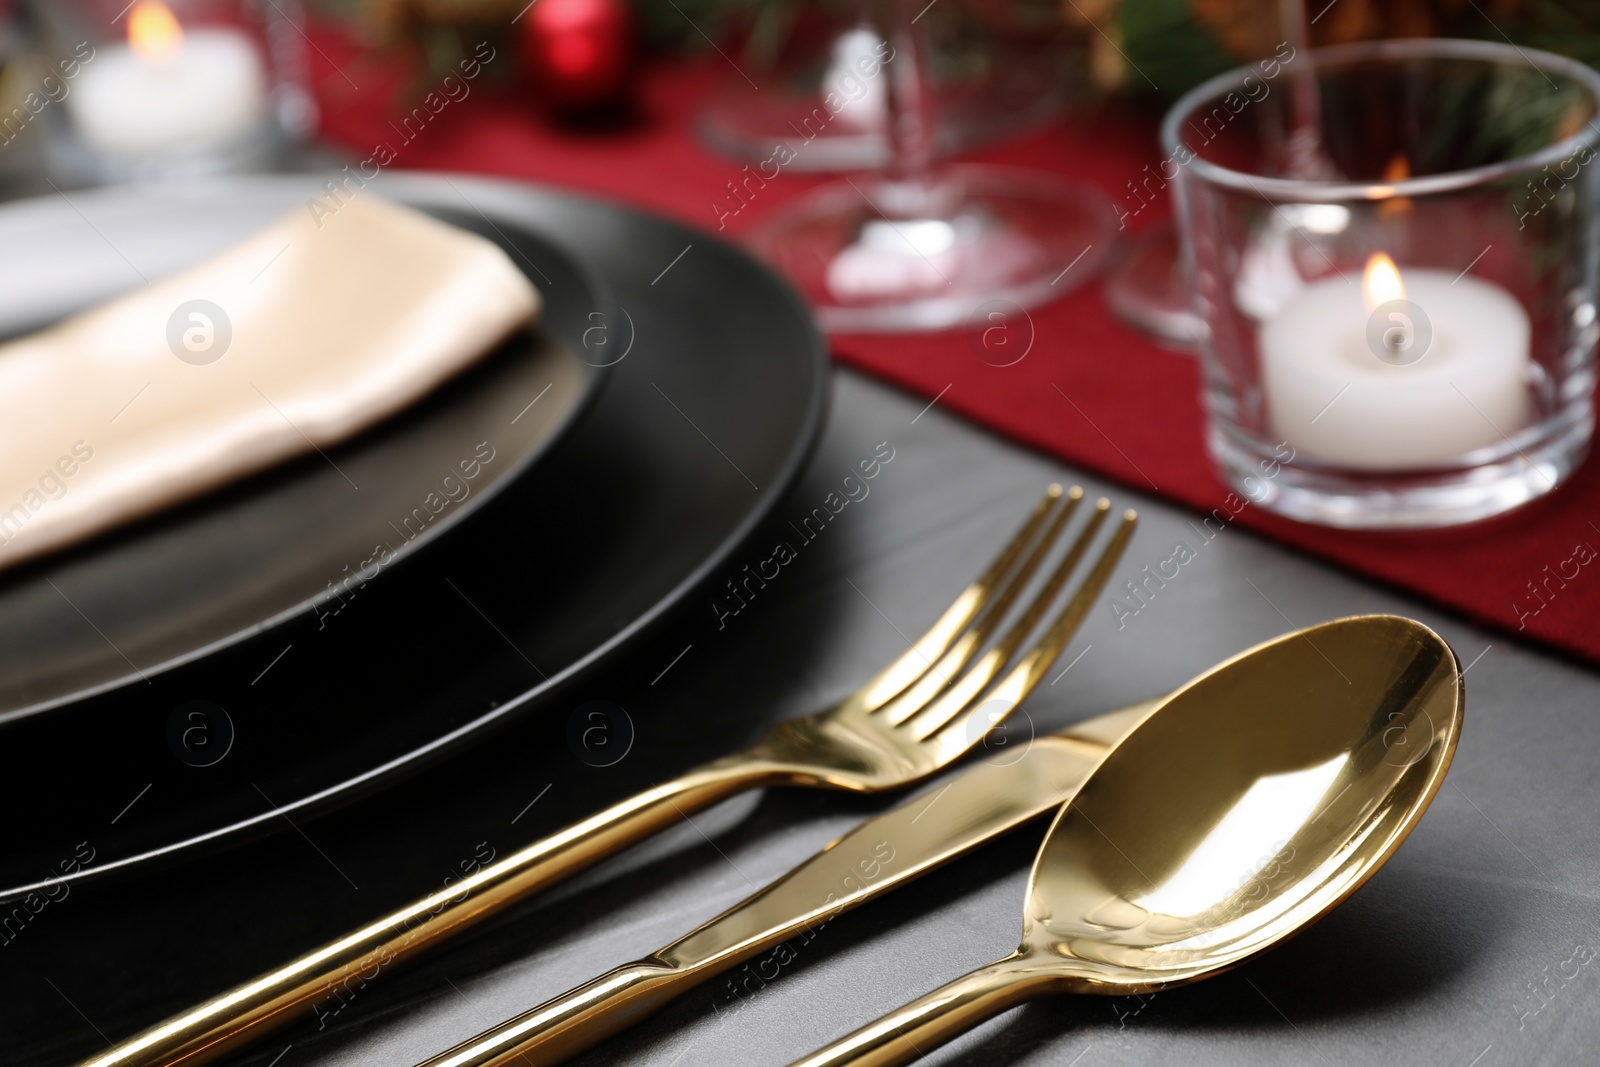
pixel 153 30
pixel 1380 281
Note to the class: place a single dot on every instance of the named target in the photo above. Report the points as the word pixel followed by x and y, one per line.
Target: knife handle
pixel 573 1022
pixel 317 982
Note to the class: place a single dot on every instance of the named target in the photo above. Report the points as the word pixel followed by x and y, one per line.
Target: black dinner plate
pixel 303 536
pixel 714 387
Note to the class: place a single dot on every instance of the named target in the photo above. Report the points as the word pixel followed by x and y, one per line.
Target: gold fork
pixel 915 717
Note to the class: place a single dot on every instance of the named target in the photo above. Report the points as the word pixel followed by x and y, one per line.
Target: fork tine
pixel 1019 632
pixel 994 612
pixel 971 641
pixel 1030 669
pixel 965 690
pixel 914 662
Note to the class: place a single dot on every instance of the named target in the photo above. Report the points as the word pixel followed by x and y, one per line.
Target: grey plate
pixel 300 537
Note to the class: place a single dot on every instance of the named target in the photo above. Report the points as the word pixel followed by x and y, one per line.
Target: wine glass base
pixel 875 255
pixel 1149 291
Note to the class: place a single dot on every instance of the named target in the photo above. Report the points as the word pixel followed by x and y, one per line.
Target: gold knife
pixel 885 851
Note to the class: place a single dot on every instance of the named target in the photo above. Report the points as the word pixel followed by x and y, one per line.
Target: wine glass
pixel 1149 287
pixel 1001 90
pixel 924 246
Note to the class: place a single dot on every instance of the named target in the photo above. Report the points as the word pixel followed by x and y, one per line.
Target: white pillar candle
pixel 169 87
pixel 1336 401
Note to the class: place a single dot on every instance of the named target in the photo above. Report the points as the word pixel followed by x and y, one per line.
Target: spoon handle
pixel 917 1028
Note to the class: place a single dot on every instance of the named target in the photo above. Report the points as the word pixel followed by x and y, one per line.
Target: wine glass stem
pixel 1305 115
pixel 912 129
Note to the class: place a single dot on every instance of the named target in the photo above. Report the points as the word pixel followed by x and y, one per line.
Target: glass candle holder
pixel 172 88
pixel 1394 248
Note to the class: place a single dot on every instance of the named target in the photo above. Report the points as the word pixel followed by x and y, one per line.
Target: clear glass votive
pixel 173 88
pixel 1394 246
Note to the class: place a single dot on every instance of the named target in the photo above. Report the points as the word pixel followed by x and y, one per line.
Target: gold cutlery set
pixel 1190 833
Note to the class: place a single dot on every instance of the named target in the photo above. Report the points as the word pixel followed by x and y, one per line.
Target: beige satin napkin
pixel 297 337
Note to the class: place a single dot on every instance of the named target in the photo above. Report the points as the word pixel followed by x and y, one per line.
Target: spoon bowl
pixel 1251 802
pixel 1239 811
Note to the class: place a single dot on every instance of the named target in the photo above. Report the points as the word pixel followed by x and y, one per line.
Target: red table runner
pixel 1090 391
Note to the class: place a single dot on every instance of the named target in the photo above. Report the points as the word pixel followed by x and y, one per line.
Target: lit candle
pixel 1395 372
pixel 168 87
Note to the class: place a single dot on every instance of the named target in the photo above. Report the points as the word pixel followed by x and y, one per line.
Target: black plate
pixel 714 401
pixel 302 536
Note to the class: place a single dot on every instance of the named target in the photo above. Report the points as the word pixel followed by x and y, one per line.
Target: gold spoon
pixel 1247 805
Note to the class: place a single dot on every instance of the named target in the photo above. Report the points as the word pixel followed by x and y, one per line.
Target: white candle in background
pixel 1337 401
pixel 169 87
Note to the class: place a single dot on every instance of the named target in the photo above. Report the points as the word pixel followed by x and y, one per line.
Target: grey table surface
pixel 1473 947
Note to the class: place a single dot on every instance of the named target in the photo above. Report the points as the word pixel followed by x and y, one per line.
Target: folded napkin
pixel 297 337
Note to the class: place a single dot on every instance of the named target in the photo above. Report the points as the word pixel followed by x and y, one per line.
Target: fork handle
pixel 320 981
pixel 917 1028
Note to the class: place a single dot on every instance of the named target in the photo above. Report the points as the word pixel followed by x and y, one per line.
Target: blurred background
pixel 315 81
